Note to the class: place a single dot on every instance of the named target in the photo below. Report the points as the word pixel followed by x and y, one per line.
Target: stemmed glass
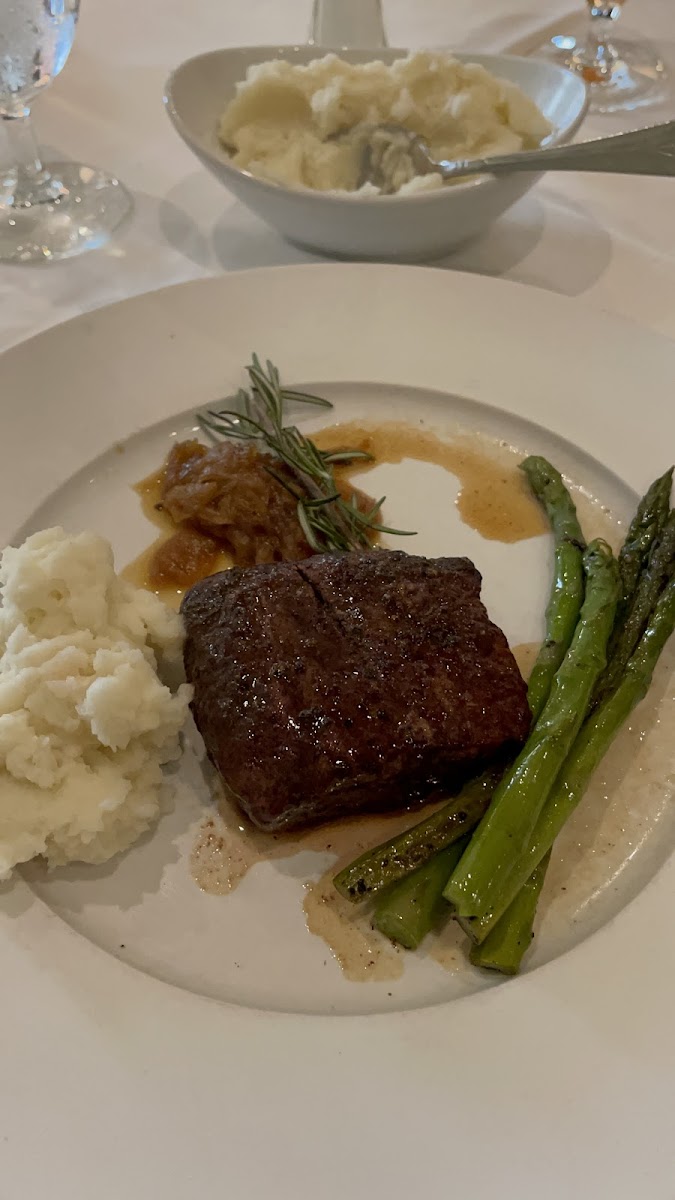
pixel 59 209
pixel 622 73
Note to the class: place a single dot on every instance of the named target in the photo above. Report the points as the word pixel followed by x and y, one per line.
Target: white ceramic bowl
pixel 406 228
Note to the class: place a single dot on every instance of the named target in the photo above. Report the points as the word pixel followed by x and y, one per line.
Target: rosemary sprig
pixel 328 522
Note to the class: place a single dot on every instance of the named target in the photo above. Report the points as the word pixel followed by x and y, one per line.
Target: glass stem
pixel 22 143
pixel 602 21
pixel 595 56
pixel 33 184
pixel 604 12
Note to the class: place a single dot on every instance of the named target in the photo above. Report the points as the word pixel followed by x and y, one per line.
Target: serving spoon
pixel 649 151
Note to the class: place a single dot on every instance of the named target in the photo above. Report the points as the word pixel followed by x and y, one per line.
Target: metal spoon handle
pixel 648 151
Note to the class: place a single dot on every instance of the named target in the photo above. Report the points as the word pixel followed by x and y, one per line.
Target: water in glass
pixel 35 41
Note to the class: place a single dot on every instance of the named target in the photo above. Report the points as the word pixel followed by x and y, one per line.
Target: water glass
pixel 55 210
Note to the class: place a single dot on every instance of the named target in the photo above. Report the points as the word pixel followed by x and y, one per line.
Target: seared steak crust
pixel 348 682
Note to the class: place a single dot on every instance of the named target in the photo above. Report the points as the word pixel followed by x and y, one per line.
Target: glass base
pixel 65 211
pixel 620 74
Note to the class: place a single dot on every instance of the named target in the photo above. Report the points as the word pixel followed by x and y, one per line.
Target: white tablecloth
pixel 609 240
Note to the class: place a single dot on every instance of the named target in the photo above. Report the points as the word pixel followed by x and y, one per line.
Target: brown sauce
pixel 228 846
pixel 494 498
pixel 140 571
pixel 525 655
pixel 363 954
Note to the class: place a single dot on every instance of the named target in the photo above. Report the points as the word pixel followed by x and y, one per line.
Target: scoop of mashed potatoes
pixel 283 121
pixel 85 721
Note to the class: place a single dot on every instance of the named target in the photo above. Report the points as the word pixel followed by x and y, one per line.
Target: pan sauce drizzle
pixel 525 654
pixel 228 846
pixel 493 499
pixel 363 953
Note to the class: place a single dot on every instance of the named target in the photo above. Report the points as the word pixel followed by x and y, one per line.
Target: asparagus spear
pixel 504 947
pixel 647 524
pixel 659 569
pixel 567 591
pixel 506 944
pixel 503 950
pixel 595 738
pixel 505 831
pixel 390 861
pixel 408 911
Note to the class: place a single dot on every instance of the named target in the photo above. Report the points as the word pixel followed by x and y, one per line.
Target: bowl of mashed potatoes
pixel 275 126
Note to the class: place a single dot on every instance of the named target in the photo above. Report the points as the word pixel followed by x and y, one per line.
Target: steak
pixel 348 682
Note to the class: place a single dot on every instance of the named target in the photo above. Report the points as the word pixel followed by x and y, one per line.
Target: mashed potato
pixel 281 121
pixel 85 722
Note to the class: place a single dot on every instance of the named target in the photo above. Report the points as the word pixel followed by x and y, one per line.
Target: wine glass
pixel 621 73
pixel 61 209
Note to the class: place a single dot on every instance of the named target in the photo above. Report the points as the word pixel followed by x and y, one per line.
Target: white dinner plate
pixel 159 1041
